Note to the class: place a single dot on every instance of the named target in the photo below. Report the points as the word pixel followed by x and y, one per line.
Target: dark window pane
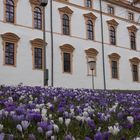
pixel 88 3
pixel 90 29
pixel 37 18
pixel 133 41
pixel 10 11
pixel 66 26
pixel 9 53
pixel 111 10
pixel 114 69
pixel 38 58
pixel 135 72
pixel 67 62
pixel 112 32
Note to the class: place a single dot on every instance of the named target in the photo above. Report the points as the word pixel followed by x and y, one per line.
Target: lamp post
pixel 44 3
pixel 92 65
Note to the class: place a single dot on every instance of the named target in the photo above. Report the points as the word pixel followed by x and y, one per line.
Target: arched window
pixel 66 26
pixel 133 40
pixel 90 29
pixel 112 35
pixel 37 18
pixel 89 3
pixel 10 11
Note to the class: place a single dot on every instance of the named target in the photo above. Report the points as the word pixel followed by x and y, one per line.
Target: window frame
pixel 37 19
pixel 135 73
pixel 112 35
pixel 90 30
pixel 135 61
pixel 87 5
pixel 131 16
pixel 14 11
pixel 10 38
pixel 133 40
pixel 116 58
pixel 65 27
pixel 67 48
pixel 110 10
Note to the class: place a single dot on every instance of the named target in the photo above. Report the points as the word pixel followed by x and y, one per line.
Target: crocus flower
pixel 67 122
pixel 25 124
pixel 19 127
pixel 32 137
pixel 49 133
pixel 1 127
pixel 98 136
pixel 2 136
pixel 60 120
pixel 56 128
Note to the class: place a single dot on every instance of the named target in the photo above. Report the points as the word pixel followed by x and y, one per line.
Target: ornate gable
pixel 90 16
pixel 91 52
pixel 114 56
pixel 35 2
pixel 112 22
pixel 66 10
pixel 38 42
pixel 67 47
pixel 10 37
pixel 132 28
pixel 135 60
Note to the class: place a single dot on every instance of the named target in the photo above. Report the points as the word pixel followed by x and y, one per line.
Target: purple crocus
pixel 98 136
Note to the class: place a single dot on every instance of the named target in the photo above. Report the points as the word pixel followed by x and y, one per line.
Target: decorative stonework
pixel 112 22
pixel 135 60
pixel 35 2
pixel 38 42
pixel 67 48
pixel 10 37
pixel 65 10
pixel 114 56
pixel 91 53
pixel 90 16
pixel 132 28
pixel 15 7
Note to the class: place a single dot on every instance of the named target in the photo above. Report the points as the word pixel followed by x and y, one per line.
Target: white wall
pixel 24 73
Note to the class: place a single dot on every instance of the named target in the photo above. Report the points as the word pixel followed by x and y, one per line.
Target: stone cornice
pixel 91 52
pixel 114 56
pixel 90 16
pixel 135 60
pixel 132 28
pixel 67 48
pixel 38 42
pixel 66 10
pixel 112 22
pixel 35 2
pixel 10 37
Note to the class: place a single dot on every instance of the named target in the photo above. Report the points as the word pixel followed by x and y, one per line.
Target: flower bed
pixel 35 113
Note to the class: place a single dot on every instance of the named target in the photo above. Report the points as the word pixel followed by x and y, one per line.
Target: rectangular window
pixel 131 16
pixel 89 3
pixel 135 72
pixel 9 53
pixel 114 67
pixel 110 10
pixel 67 62
pixel 38 58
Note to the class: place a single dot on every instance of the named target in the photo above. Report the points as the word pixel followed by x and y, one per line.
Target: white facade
pixel 24 73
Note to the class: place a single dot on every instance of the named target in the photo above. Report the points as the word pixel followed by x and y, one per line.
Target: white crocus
pixel 25 124
pixel 40 130
pixel 53 138
pixel 49 133
pixel 56 128
pixel 130 119
pixel 60 120
pixel 19 127
pixel 67 122
pixel 1 127
pixel 114 130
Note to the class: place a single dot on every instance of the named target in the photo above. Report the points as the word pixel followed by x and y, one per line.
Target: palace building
pixel 76 32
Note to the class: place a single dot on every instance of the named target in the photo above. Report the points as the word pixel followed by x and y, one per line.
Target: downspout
pixel 51 24
pixel 102 36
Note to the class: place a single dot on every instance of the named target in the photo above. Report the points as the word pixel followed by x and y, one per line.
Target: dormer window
pixel 111 10
pixel 131 16
pixel 88 3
